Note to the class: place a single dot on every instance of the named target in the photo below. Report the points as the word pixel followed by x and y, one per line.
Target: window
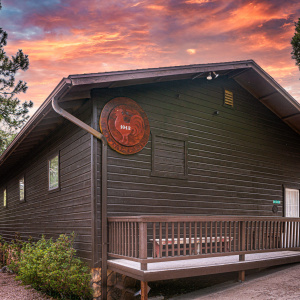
pixel 53 173
pixel 22 189
pixel 4 198
pixel 291 203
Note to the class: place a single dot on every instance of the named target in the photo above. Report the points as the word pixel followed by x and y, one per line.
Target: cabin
pixel 162 173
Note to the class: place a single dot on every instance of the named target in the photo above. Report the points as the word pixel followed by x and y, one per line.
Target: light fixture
pixel 209 77
pixel 216 75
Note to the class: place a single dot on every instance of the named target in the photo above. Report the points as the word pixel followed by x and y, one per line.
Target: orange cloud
pixel 156 7
pixel 197 1
pixel 116 35
pixel 191 51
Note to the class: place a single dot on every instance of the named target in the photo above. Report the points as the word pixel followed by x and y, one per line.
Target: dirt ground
pixel 13 290
pixel 280 283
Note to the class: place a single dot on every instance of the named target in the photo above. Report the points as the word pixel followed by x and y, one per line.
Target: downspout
pixel 68 84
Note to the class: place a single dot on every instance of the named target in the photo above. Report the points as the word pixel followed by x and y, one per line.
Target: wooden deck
pixel 152 248
pixel 201 266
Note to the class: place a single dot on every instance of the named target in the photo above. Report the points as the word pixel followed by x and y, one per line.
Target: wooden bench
pixel 163 243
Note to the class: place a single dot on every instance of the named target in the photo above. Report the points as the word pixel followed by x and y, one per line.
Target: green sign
pixel 276 201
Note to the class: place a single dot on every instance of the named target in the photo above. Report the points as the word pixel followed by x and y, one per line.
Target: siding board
pixel 237 160
pixel 63 211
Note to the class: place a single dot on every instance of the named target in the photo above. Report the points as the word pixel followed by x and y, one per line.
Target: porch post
pixel 143 243
pixel 144 290
pixel 241 276
pixel 243 248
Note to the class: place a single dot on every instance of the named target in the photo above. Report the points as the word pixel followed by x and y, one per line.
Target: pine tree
pixel 296 44
pixel 13 112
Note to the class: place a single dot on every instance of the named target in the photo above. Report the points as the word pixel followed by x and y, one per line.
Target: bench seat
pixel 164 242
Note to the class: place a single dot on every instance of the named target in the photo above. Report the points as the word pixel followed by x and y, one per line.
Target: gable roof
pixel 72 91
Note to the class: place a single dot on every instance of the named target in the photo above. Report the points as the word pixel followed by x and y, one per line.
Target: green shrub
pixel 53 268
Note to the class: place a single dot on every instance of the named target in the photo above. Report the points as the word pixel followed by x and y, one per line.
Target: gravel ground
pixel 281 283
pixel 13 290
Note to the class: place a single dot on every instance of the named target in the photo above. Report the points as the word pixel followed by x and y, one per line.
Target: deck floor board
pixel 201 266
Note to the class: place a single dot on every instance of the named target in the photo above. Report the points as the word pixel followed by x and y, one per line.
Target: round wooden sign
pixel 125 125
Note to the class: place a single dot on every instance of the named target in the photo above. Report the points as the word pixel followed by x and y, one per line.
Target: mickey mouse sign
pixel 125 125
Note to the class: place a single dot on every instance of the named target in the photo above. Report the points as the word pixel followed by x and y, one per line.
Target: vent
pixel 228 98
pixel 169 157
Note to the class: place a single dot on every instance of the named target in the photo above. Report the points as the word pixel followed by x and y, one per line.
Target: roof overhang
pixel 73 91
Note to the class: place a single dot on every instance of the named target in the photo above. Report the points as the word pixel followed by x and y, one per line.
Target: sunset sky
pixel 64 37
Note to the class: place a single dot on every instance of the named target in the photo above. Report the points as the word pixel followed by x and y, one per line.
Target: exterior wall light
pixel 215 74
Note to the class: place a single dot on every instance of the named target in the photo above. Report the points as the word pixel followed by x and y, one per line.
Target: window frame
pixel 51 157
pixel 292 187
pixel 24 182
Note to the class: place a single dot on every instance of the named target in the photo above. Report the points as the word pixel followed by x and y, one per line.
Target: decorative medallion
pixel 125 125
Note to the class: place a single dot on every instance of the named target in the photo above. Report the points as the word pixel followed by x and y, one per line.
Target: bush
pixel 52 267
